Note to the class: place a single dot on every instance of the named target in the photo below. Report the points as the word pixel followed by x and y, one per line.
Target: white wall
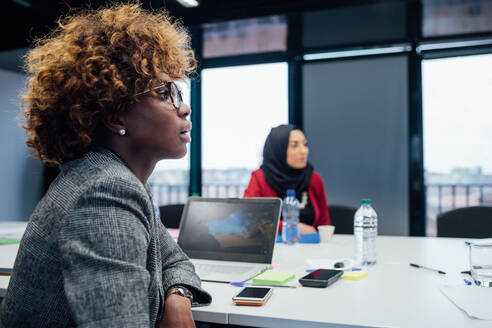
pixel 20 175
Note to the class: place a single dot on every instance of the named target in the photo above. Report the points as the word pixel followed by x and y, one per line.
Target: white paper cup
pixel 325 233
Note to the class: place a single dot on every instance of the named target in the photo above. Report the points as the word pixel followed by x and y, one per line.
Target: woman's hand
pixel 305 228
pixel 177 313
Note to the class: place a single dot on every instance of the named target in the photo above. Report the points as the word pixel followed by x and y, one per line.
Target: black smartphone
pixel 321 278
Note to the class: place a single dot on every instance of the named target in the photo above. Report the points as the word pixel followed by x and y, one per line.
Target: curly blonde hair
pixel 90 68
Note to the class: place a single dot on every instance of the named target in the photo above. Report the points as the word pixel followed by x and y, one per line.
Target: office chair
pixel 466 222
pixel 171 215
pixel 342 217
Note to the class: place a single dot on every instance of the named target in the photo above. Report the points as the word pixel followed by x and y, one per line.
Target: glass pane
pixel 448 17
pixel 356 122
pixel 375 22
pixel 239 107
pixel 245 36
pixel 457 135
pixel 171 177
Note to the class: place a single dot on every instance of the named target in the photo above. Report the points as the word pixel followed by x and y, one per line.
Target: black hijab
pixel 279 175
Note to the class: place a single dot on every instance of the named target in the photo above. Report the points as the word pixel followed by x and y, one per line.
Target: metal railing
pixel 448 196
pixel 165 194
pixel 223 190
pixel 443 197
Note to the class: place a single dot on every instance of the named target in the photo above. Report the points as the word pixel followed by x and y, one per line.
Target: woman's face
pixel 297 150
pixel 158 129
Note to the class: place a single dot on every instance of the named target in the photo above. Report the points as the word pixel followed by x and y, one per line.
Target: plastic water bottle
pixel 290 215
pixel 365 232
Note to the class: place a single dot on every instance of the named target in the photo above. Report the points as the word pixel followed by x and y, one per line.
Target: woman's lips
pixel 185 133
pixel 186 127
pixel 185 137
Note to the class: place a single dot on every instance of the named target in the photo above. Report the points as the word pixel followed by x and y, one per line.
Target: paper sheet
pixel 474 300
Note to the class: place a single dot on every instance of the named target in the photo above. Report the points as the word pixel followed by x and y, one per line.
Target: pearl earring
pixel 122 132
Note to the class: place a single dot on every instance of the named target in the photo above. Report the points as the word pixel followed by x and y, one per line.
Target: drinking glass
pixel 481 262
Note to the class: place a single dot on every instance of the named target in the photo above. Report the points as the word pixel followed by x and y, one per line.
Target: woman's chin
pixel 300 166
pixel 181 154
pixel 175 155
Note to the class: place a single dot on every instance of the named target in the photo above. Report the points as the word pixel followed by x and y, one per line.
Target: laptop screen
pixel 230 229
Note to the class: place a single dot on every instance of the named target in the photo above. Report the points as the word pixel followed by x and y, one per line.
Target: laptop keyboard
pixel 205 268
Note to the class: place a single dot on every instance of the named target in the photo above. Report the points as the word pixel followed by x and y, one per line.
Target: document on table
pixel 474 300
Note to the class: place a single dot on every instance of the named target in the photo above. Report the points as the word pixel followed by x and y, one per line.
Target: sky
pixel 457 113
pixel 239 107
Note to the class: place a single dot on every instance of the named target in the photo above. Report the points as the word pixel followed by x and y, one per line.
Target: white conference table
pixel 393 295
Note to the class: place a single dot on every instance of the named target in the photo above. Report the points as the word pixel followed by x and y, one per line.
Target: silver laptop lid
pixel 230 229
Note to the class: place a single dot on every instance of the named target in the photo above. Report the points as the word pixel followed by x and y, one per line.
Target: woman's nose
pixel 184 110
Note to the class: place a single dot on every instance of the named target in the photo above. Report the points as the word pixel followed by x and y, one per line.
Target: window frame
pixel 294 57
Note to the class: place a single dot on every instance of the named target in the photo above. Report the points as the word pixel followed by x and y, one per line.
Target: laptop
pixel 229 239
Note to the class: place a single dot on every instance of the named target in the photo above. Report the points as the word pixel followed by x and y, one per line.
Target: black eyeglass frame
pixel 173 89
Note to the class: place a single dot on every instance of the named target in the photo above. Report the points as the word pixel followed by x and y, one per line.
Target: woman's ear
pixel 116 124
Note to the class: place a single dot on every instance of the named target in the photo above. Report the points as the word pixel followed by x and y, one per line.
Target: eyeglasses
pixel 165 91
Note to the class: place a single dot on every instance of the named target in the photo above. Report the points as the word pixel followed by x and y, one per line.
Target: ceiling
pixel 24 20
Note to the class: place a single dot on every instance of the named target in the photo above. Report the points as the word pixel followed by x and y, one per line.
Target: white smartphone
pixel 254 296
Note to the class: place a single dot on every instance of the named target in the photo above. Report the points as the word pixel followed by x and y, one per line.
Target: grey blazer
pixel 94 254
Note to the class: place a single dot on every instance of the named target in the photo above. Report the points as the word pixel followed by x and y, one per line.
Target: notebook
pixel 229 239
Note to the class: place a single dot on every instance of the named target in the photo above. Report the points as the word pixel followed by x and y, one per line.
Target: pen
pixel 468 282
pixel 242 284
pixel 424 267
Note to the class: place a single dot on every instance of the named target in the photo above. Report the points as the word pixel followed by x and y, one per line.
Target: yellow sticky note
pixel 355 275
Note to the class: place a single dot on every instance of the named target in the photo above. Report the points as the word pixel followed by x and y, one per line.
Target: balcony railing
pixel 448 196
pixel 165 194
pixel 223 190
pixel 178 194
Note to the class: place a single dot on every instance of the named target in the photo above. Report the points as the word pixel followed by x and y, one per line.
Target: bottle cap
pixel 291 192
pixel 365 201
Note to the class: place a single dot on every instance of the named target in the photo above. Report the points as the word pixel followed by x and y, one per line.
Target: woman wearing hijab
pixel 285 166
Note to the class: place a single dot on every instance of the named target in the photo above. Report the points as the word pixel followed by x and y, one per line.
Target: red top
pixel 259 187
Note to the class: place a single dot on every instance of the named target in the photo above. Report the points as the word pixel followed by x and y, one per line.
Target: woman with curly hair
pixel 101 102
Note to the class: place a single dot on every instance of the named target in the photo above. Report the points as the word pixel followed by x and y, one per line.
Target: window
pixel 171 177
pixel 245 36
pixel 239 107
pixel 448 17
pixel 457 135
pixel 366 23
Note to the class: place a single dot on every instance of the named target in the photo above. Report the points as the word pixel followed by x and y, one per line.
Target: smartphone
pixel 254 296
pixel 321 278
